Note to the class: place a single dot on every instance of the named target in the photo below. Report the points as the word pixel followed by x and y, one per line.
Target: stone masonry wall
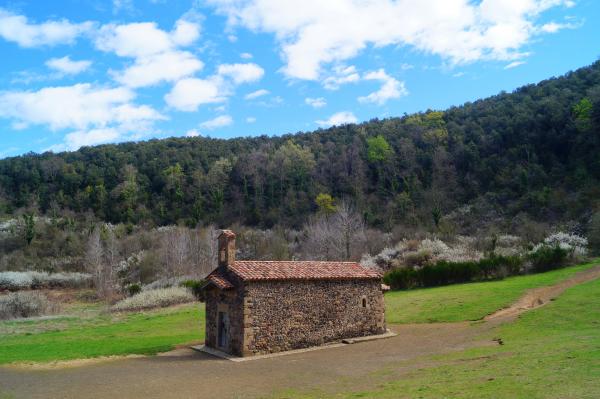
pixel 285 315
pixel 231 302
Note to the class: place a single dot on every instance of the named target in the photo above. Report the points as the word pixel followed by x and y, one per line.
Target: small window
pixel 364 302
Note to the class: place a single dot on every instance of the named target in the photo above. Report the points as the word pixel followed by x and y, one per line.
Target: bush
pixel 158 298
pixel 195 286
pixel 544 258
pixel 402 278
pixel 444 272
pixel 133 289
pixel 25 304
pixel 14 281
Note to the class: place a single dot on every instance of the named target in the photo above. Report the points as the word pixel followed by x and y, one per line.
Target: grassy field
pixel 471 301
pixel 550 352
pixel 101 334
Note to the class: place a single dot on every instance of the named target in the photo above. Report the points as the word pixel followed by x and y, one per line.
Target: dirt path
pixel 540 296
pixel 185 373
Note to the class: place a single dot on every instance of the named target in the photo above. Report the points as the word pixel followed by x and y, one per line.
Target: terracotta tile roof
pixel 218 280
pixel 251 270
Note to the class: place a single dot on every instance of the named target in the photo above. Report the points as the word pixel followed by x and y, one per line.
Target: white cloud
pixel 97 114
pixel 256 94
pixel 219 121
pixel 79 139
pixel 79 106
pixel 390 88
pixel 514 64
pixel 16 28
pixel 250 119
pixel 133 40
pixel 315 102
pixel 192 133
pixel 320 33
pixel 185 32
pixel 67 66
pixel 169 66
pixel 157 54
pixel 246 56
pixel 339 118
pixel 188 94
pixel 406 67
pixel 341 75
pixel 242 73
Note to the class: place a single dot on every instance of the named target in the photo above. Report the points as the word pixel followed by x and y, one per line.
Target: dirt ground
pixel 185 373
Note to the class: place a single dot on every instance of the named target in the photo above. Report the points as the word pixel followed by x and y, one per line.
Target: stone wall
pixel 229 301
pixel 285 315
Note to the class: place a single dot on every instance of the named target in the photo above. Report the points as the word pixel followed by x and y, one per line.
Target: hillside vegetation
pixel 527 155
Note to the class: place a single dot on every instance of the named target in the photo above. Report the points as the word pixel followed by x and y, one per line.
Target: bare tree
pixel 97 264
pixel 338 236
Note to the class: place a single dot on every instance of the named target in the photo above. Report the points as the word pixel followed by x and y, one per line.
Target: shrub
pixel 401 279
pixel 574 245
pixel 195 286
pixel 25 304
pixel 546 257
pixel 133 289
pixel 14 281
pixel 444 272
pixel 155 299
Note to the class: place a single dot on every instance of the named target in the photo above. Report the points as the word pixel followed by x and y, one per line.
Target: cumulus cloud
pixel 315 102
pixel 188 94
pixel 250 119
pixel 459 31
pixel 82 138
pixel 68 66
pixel 16 28
pixel 246 56
pixel 256 94
pixel 96 113
pixel 219 121
pixel 241 73
pixel 168 66
pixel 339 118
pixel 390 88
pixel 157 53
pixel 192 133
pixel 78 106
pixel 341 75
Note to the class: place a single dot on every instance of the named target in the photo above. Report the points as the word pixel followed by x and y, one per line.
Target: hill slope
pixel 532 153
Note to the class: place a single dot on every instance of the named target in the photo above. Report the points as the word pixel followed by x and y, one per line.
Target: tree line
pixel 532 153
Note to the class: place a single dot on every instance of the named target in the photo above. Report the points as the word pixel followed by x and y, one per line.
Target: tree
pixel 339 236
pixel 583 114
pixel 325 204
pixel 378 149
pixel 29 233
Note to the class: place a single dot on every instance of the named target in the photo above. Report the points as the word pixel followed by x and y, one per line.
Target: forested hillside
pixel 533 153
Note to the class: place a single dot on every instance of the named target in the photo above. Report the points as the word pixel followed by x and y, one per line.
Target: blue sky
pixel 87 72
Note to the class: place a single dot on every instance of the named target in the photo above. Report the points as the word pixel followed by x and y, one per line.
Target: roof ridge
pixel 298 261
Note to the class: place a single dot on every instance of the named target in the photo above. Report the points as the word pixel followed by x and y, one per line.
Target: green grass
pixel 138 333
pixel 550 352
pixel 471 301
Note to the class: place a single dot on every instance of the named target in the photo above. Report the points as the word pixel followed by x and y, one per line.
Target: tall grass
pixel 158 298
